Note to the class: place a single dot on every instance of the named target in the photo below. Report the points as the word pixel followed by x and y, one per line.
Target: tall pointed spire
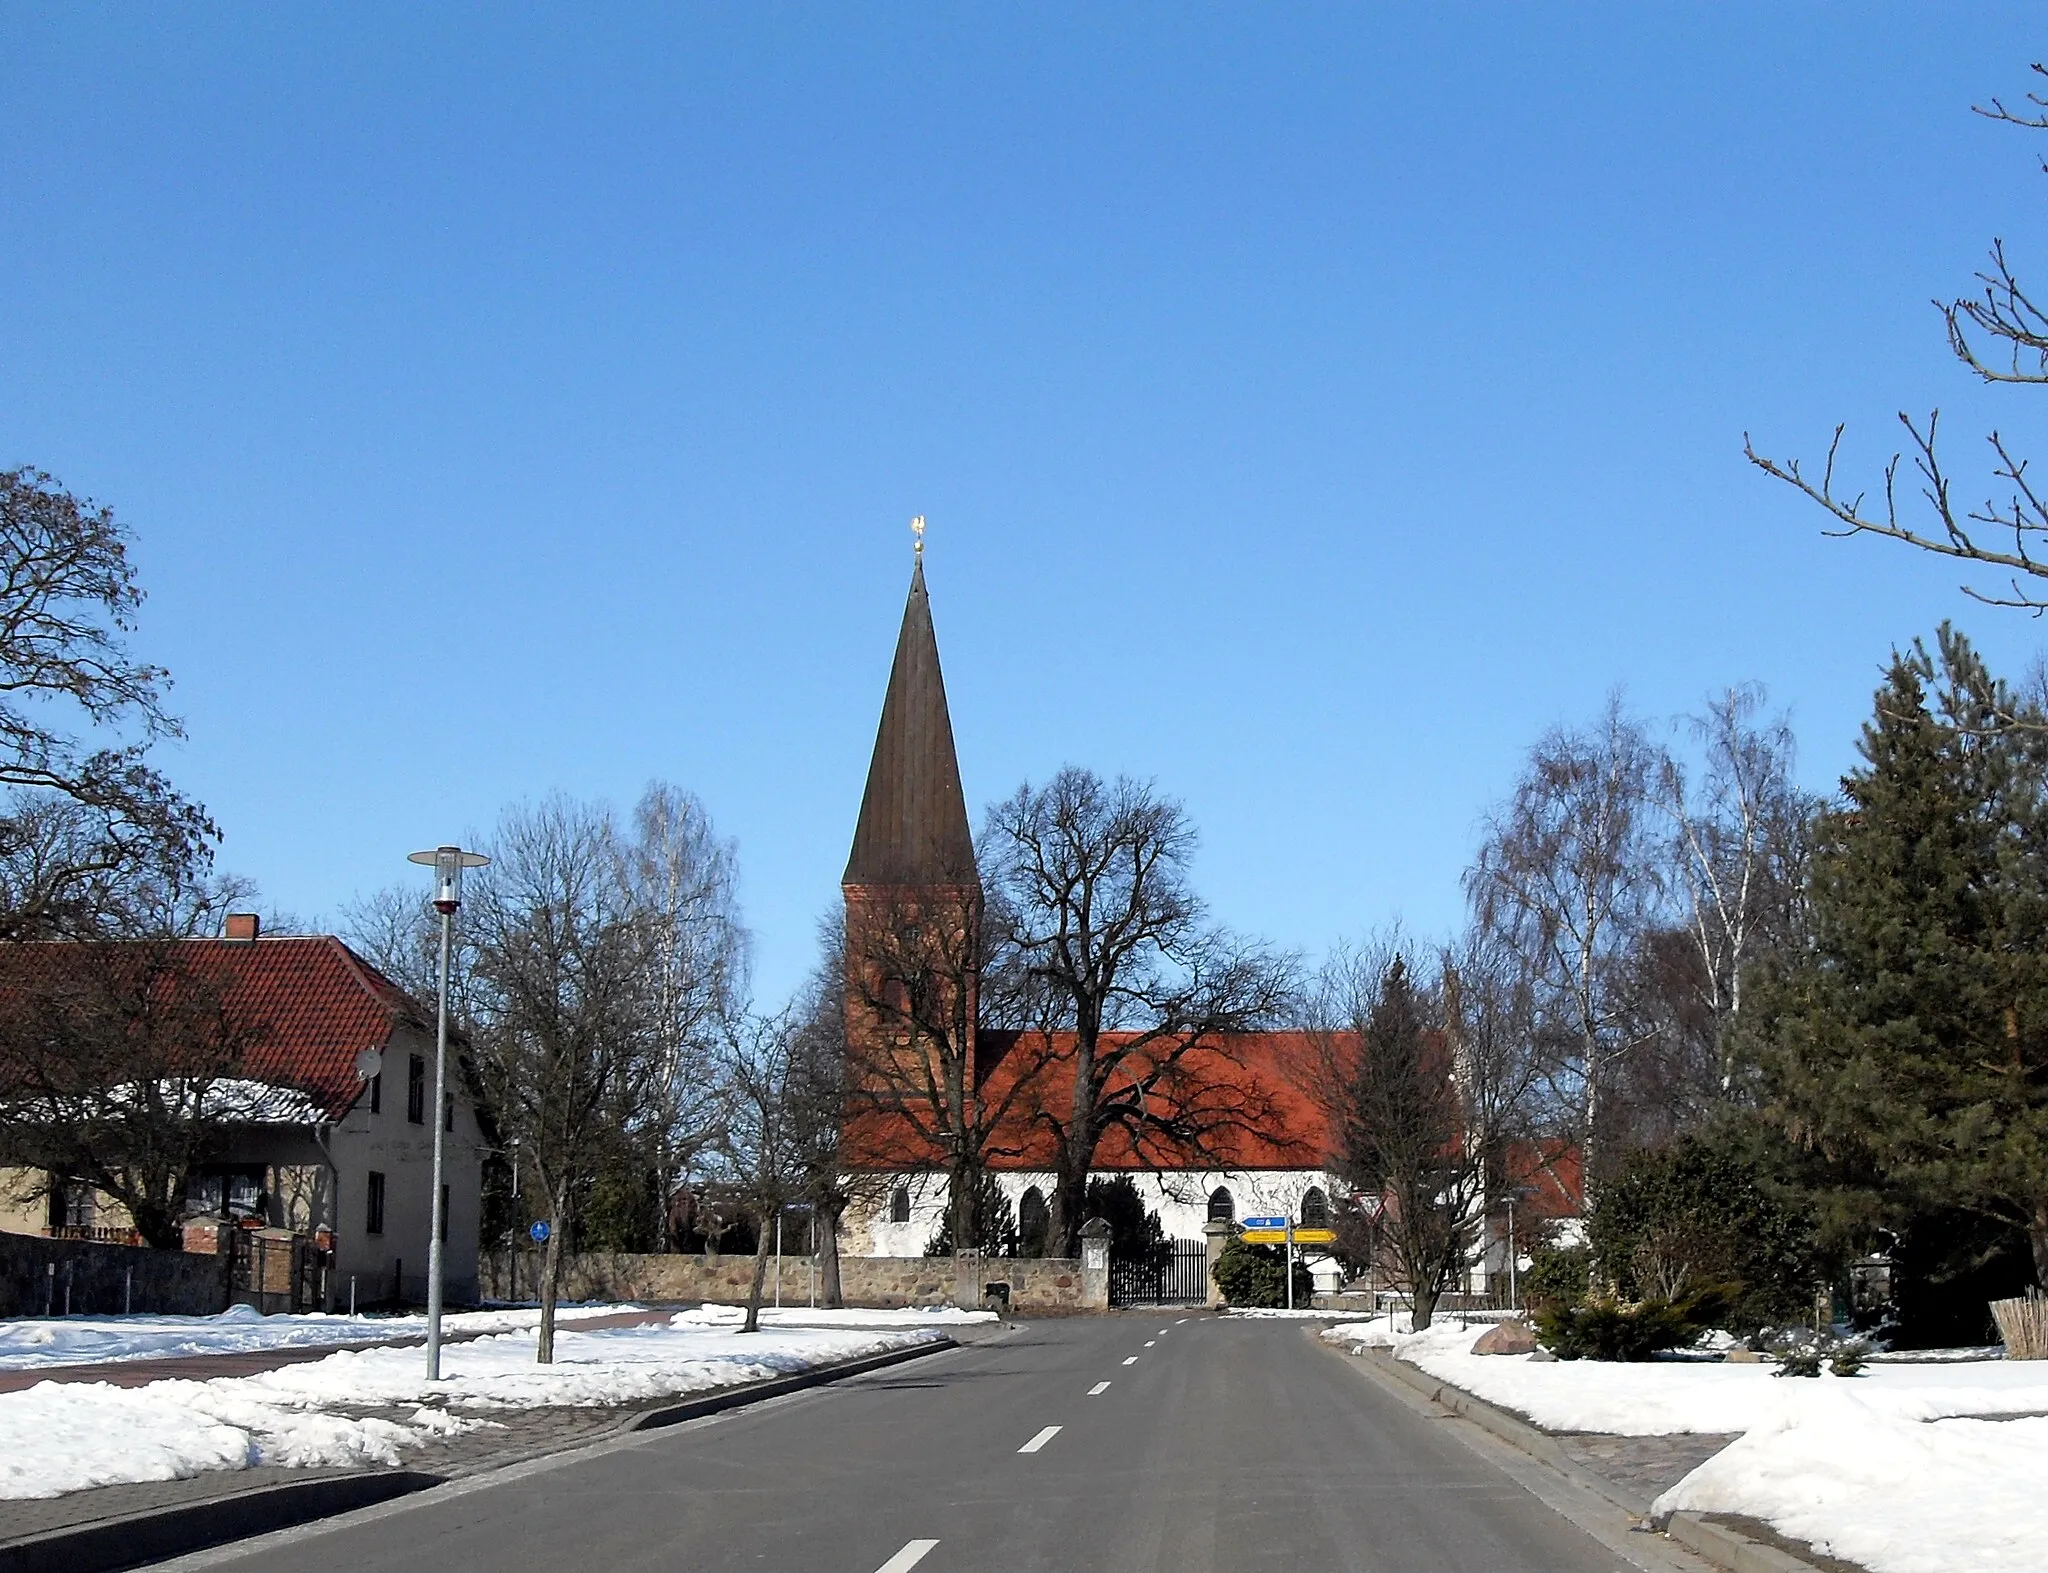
pixel 913 817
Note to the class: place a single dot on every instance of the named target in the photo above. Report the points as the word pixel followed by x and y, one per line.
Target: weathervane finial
pixel 917 535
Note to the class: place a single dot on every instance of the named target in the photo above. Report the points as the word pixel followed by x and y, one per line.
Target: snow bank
pixel 64 1436
pixel 1902 1469
pixel 88 1340
pixel 804 1316
pixel 1896 1495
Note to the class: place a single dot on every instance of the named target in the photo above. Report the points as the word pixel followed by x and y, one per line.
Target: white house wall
pixel 390 1144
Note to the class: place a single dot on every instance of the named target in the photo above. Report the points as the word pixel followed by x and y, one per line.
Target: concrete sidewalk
pixel 251 1362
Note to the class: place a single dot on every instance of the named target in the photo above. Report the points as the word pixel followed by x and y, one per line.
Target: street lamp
pixel 447 864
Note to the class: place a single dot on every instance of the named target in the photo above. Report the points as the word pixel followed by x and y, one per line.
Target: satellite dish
pixel 369 1063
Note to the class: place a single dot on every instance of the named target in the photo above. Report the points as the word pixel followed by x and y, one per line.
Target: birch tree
pixel 1566 882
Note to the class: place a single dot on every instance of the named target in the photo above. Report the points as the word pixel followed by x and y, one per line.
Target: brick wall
pixel 1046 1285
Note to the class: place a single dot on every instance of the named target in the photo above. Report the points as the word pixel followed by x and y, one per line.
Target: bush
pixel 1605 1329
pixel 1702 1211
pixel 1558 1275
pixel 1254 1275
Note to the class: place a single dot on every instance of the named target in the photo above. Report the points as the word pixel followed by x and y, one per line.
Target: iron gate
pixel 1173 1272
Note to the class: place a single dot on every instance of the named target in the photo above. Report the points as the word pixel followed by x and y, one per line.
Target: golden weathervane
pixel 917 534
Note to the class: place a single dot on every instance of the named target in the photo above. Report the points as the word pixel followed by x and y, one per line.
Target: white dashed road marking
pixel 1036 1443
pixel 1098 1389
pixel 1132 1361
pixel 1150 1342
pixel 908 1557
pixel 1183 1319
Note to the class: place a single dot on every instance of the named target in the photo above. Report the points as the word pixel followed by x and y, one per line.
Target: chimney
pixel 244 925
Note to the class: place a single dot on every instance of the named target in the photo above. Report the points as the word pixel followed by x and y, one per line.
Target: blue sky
pixel 1311 404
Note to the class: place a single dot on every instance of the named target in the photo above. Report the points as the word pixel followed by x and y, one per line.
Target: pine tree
pixel 1907 1040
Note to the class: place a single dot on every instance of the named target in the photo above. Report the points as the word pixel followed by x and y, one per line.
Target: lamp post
pixel 447 864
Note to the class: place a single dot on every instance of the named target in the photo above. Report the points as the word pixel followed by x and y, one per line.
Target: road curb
pixel 775 1386
pixel 1718 1543
pixel 1512 1429
pixel 135 1538
pixel 110 1544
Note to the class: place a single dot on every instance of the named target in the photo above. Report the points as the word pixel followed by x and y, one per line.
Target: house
pixel 324 1129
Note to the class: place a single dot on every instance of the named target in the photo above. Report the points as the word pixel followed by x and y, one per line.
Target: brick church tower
pixel 913 895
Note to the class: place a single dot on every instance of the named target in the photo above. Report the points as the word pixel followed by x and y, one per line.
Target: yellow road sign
pixel 1315 1237
pixel 1265 1237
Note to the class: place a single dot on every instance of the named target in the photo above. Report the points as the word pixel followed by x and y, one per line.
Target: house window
pixel 374 1222
pixel 1221 1208
pixel 1315 1209
pixel 416 1090
pixel 377 1093
pixel 899 1204
pixel 447 1111
pixel 71 1205
pixel 1034 1222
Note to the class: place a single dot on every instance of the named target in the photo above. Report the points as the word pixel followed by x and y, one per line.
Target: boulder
pixel 1506 1338
pixel 1741 1356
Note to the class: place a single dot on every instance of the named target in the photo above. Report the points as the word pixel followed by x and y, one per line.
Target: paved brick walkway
pixel 200 1368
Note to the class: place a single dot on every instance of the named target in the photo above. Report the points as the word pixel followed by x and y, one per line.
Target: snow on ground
pixel 810 1316
pixel 1263 1310
pixel 1905 1469
pixel 30 1345
pixel 64 1436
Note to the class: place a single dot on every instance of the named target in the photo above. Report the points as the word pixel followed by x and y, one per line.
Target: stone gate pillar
pixel 1095 1264
pixel 1216 1234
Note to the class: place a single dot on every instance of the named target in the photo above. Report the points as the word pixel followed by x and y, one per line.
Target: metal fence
pixel 1175 1272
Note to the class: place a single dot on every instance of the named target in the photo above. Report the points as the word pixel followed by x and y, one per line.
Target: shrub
pixel 1605 1329
pixel 1557 1276
pixel 1254 1276
pixel 1702 1211
pixel 1799 1362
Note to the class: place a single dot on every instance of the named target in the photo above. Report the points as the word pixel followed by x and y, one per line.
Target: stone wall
pixel 1049 1285
pixel 35 1274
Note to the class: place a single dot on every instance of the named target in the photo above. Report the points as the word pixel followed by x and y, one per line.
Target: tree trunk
pixel 1424 1313
pixel 2038 1236
pixel 763 1227
pixel 550 1283
pixel 826 1220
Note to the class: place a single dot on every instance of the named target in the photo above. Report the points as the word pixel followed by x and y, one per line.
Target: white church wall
pixel 1180 1197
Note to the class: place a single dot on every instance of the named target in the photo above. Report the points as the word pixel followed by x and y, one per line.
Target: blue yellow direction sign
pixel 1265 1223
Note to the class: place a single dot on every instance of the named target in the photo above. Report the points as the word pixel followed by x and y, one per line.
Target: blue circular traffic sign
pixel 539 1231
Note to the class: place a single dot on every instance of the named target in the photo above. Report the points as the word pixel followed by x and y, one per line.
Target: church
pixel 913 850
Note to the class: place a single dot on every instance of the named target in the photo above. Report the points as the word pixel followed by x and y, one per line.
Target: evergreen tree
pixel 1906 1040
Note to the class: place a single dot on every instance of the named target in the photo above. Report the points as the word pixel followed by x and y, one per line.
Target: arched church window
pixel 899 1204
pixel 1222 1208
pixel 1315 1209
pixel 1034 1222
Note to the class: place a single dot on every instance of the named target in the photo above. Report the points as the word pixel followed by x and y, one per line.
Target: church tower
pixel 913 895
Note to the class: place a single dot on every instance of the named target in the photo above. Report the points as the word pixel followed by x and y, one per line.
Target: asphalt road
pixel 1161 1441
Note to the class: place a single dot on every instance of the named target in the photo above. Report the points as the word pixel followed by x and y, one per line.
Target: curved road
pixel 1167 1441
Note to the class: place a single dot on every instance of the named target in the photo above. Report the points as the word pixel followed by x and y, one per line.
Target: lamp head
pixel 448 864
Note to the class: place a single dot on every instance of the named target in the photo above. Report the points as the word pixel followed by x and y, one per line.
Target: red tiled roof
pixel 314 1003
pixel 1256 1086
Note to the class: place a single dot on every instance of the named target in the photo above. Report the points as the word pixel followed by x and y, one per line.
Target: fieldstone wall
pixel 1048 1285
pixel 36 1274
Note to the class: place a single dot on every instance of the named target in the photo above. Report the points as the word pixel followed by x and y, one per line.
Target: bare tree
pixel 681 880
pixel 823 1077
pixel 1567 882
pixel 1738 836
pixel 121 1067
pixel 2001 335
pixel 1427 1079
pixel 77 819
pixel 558 990
pixel 764 1136
pixel 1119 953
